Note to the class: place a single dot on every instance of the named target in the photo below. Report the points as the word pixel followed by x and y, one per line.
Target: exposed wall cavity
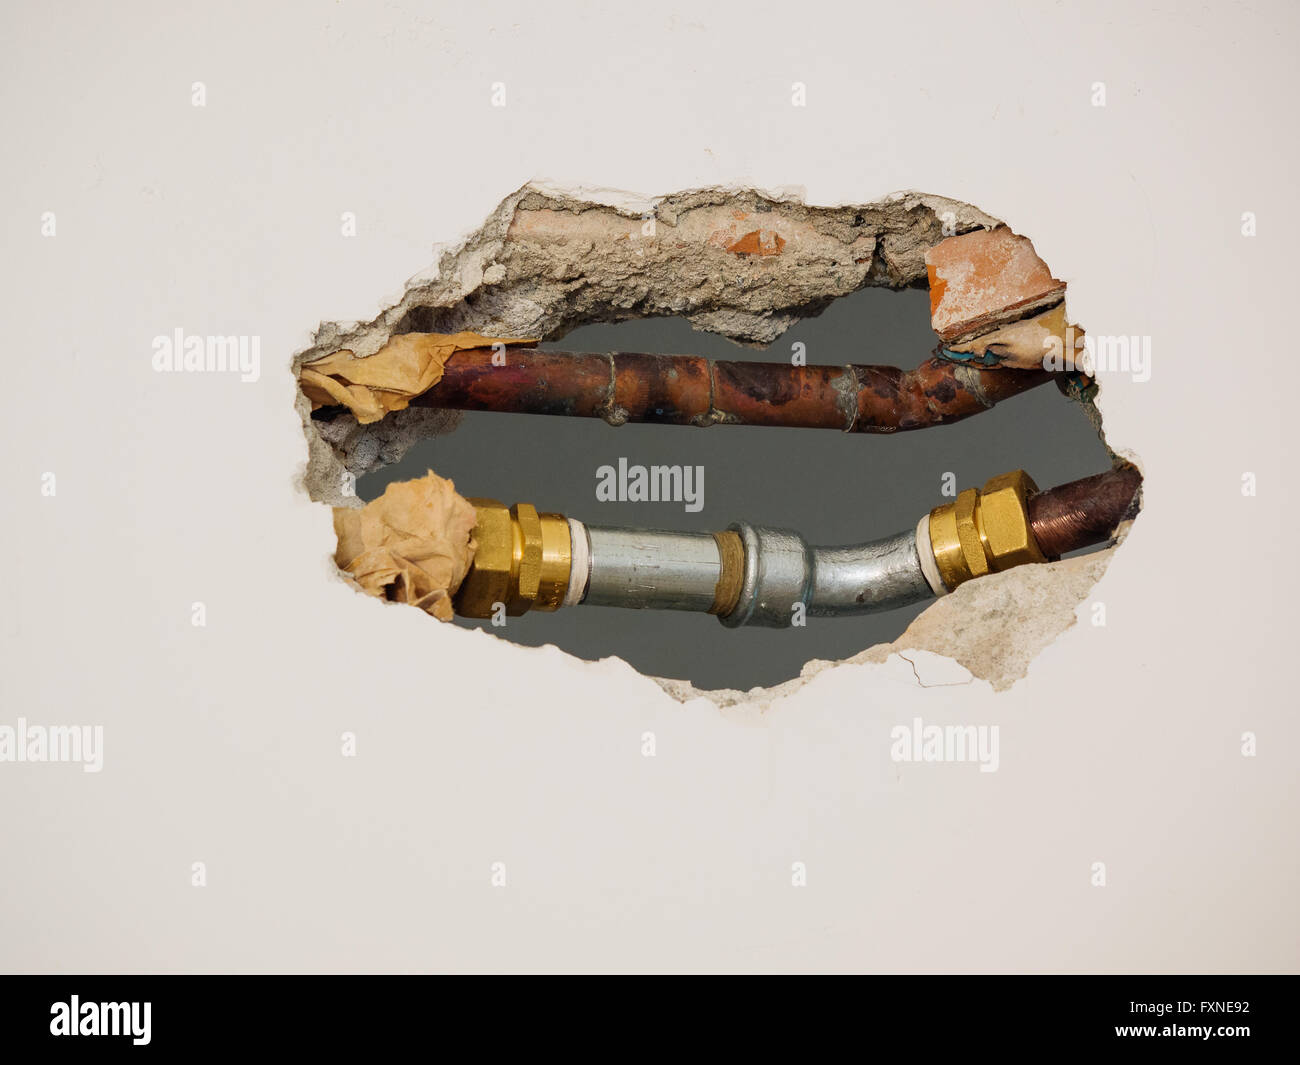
pixel 735 262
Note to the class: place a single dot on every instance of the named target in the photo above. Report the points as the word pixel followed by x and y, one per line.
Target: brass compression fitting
pixel 984 530
pixel 755 575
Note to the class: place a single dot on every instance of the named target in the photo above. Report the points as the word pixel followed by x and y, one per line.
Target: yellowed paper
pixel 1025 344
pixel 407 366
pixel 411 545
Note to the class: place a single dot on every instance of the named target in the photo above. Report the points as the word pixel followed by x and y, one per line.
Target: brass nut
pixel 488 580
pixel 521 560
pixel 947 545
pixel 557 562
pixel 985 531
pixel 966 511
pixel 1004 521
pixel 527 547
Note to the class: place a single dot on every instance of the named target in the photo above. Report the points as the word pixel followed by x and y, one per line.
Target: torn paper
pixel 407 366
pixel 1025 344
pixel 411 545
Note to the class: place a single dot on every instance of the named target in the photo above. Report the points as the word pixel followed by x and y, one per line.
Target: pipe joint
pixel 985 530
pixel 522 561
pixel 777 577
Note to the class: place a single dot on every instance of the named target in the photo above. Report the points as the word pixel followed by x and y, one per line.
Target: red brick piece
pixel 984 279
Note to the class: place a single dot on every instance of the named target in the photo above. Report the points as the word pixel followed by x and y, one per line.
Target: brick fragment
pixel 985 279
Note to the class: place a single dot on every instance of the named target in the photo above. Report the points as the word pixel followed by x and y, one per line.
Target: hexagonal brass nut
pixel 521 560
pixel 1003 521
pixel 966 512
pixel 488 580
pixel 527 528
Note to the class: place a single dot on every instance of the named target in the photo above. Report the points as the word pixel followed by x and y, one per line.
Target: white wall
pixel 222 743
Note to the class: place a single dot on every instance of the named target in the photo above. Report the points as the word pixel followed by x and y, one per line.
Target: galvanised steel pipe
pixel 651 568
pixel 784 575
pixel 691 390
pixel 756 575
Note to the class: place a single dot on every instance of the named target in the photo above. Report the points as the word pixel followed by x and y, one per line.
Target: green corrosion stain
pixel 970 358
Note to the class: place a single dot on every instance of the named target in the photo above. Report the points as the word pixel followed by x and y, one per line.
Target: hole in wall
pixel 579 276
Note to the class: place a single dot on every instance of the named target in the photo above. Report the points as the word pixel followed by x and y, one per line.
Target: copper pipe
pixel 1084 512
pixel 691 390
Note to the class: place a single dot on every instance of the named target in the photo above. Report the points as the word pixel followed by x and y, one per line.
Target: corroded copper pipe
pixel 1084 512
pixel 691 390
